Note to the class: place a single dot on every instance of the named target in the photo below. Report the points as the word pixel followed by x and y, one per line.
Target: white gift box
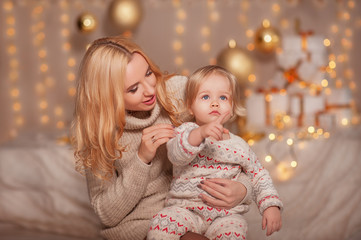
pixel 256 111
pixel 339 96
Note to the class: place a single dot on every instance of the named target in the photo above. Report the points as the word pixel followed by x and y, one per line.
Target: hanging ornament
pixel 237 61
pixel 126 14
pixel 267 38
pixel 86 22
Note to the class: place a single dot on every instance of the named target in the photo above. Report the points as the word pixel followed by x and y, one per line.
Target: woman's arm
pixel 114 199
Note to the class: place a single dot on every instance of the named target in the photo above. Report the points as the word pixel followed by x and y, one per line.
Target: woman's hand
pixel 152 138
pixel 226 193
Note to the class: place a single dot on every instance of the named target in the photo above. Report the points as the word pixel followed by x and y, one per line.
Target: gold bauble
pixel 87 22
pixel 267 39
pixel 126 14
pixel 237 61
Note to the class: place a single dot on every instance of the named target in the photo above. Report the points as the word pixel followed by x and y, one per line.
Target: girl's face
pixel 139 85
pixel 213 99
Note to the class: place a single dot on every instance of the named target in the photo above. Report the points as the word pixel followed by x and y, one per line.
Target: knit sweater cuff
pixel 270 201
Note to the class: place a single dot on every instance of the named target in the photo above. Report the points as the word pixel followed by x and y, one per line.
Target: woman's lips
pixel 150 101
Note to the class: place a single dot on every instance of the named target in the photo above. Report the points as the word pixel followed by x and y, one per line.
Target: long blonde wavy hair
pixel 99 115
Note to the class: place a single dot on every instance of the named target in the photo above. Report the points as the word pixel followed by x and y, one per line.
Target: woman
pixel 125 111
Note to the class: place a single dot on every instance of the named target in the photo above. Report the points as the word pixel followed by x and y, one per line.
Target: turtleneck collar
pixel 141 119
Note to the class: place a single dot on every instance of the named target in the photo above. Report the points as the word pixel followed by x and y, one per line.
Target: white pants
pixel 173 222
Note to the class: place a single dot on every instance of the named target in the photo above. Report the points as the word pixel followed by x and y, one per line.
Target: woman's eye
pixel 133 90
pixel 205 97
pixel 223 97
pixel 149 72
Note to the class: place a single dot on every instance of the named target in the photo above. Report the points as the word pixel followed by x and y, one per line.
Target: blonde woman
pixel 205 149
pixel 125 112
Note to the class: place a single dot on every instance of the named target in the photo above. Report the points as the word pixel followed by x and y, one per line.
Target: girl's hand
pixel 272 220
pixel 225 192
pixel 152 138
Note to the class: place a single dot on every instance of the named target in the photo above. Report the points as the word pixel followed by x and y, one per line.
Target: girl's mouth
pixel 150 101
pixel 214 113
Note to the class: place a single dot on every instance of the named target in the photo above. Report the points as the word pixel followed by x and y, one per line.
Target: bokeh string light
pixel 13 68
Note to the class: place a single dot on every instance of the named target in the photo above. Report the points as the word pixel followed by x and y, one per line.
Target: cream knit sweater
pixel 127 202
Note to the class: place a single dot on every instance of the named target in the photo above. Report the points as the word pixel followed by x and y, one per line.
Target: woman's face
pixel 139 85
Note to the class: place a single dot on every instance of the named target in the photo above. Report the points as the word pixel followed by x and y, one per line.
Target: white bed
pixel 42 197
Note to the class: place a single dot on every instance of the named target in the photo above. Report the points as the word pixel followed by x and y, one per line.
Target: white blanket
pixel 41 191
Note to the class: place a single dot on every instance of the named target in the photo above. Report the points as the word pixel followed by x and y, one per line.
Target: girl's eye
pixel 223 97
pixel 133 90
pixel 149 72
pixel 205 97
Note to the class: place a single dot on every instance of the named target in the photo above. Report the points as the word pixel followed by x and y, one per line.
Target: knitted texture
pixel 215 159
pixel 127 202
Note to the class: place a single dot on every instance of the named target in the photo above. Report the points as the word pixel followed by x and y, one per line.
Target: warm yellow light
pixel 42 53
pixel 19 121
pixel 44 67
pixel 232 43
pixel 332 64
pixel 268 158
pixel 320 131
pixel 10 32
pixel 177 45
pixel 324 83
pixel 250 47
pixel 326 135
pixel 14 92
pixel 179 29
pixel 266 23
pixel 181 14
pixel 44 119
pixel 205 31
pixel 344 121
pixel 252 78
pixel 60 124
pixel 206 47
pixel 249 33
pixel 72 91
pixel 326 42
pixel 71 62
pixel 294 164
pixel 179 61
pixel 311 129
pixel 276 8
pixel 43 104
pixel 71 76
pixel 64 18
pixel 290 141
pixel 251 142
pixel 214 16
pixel 16 106
pixel 268 97
pixel 286 119
pixel 58 111
pixel 66 46
pixel 271 136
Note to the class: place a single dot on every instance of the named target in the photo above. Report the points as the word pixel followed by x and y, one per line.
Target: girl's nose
pixel 215 104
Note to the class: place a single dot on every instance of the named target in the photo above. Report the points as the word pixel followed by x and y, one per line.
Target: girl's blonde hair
pixel 200 75
pixel 99 116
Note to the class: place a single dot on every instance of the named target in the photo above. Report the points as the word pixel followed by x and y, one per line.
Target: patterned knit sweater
pixel 127 202
pixel 215 159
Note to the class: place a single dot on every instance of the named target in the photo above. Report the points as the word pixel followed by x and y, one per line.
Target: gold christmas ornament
pixel 87 22
pixel 126 14
pixel 237 61
pixel 267 38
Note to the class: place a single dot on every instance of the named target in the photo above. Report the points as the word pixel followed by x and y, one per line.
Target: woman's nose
pixel 149 89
